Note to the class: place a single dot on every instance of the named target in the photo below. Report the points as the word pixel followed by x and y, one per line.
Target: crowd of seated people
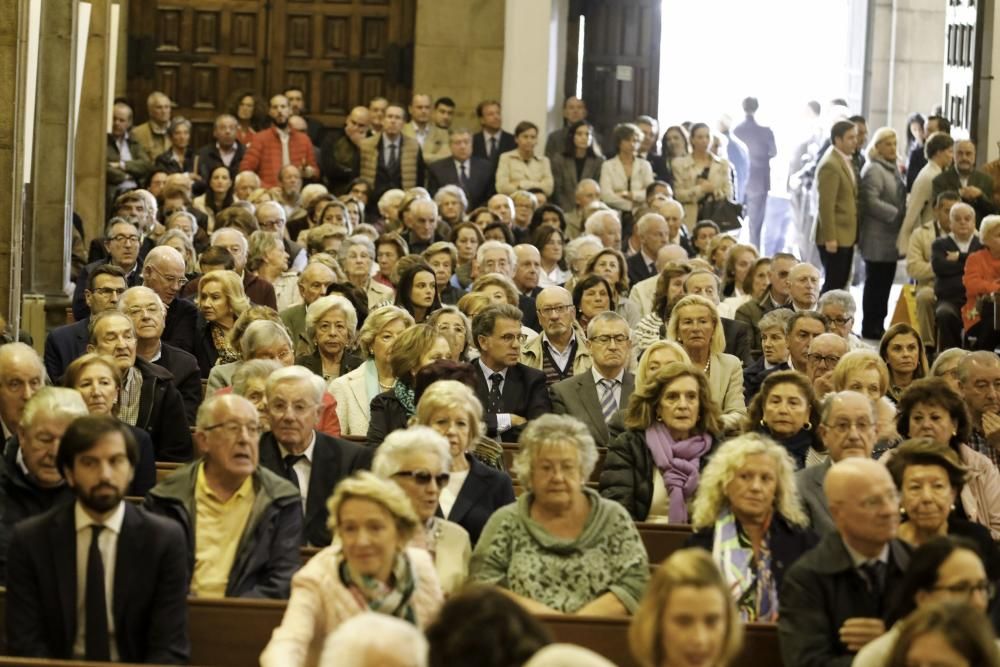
pixel 440 386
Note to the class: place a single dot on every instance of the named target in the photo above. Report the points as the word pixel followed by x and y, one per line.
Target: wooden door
pixel 201 52
pixel 963 63
pixel 621 60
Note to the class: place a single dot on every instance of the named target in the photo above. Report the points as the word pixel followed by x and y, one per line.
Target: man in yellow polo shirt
pixel 243 522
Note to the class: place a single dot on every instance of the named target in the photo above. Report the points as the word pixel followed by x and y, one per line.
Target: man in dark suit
pixel 595 395
pixel 472 174
pixel 225 151
pixel 654 233
pixel 66 343
pixel 974 186
pixel 294 449
pixel 61 563
pixel 163 272
pixel 493 140
pixel 948 261
pixel 738 335
pixel 837 597
pixel 122 241
pixel 510 392
pixel 844 407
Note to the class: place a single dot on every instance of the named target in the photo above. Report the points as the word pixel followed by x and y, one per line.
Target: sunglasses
pixel 424 477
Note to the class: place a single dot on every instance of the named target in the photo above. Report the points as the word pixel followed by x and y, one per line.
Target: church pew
pixel 662 539
pixel 51 662
pixel 164 469
pixel 233 632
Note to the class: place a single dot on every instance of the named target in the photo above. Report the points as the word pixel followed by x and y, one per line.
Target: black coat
pixel 524 393
pixel 162 414
pixel 181 324
pixel 63 345
pixel 314 362
pixel 787 543
pixel 209 160
pixel 333 460
pixel 387 415
pixel 739 340
pixel 184 367
pixel 204 347
pixel 478 182
pixel 637 269
pixel 821 591
pixel 948 285
pixel 150 583
pixel 754 376
pixel 485 491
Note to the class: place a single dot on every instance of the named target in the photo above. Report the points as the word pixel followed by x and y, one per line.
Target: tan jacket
pixel 436 146
pixel 353 402
pixel 838 201
pixel 918 254
pixel 725 384
pixel 531 352
pixel 154 144
pixel 379 294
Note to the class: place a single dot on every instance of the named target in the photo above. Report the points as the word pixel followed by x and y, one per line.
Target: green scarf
pixel 391 599
pixel 406 396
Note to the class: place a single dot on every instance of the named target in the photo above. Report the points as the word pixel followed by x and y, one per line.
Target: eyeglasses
pixel 233 429
pixel 844 427
pixel 840 321
pixel 966 588
pixel 510 338
pixel 823 360
pixel 180 281
pixel 872 503
pixel 621 339
pixel 554 311
pixel 128 239
pixel 424 477
pixel 109 291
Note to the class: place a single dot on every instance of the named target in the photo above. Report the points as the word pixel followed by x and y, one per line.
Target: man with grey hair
pixel 244 185
pixel 498 257
pixel 606 226
pixel 163 272
pixel 258 290
pixel 643 292
pixel 673 212
pixel 596 395
pixel 146 310
pixel 421 226
pixel 587 194
pixel 272 217
pixel 225 499
pixel 153 135
pixel 313 283
pixel 848 428
pixel 226 151
pixel 803 286
pixel 21 375
pixel 839 307
pixel 948 256
pixel 511 393
pixel 314 461
pixel 122 241
pixel 503 207
pixel 560 351
pixel 370 639
pixel 825 352
pixel 979 381
pixel 654 233
pixel 128 162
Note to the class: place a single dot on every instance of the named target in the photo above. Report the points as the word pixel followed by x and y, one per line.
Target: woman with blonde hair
pixel 862 371
pixel 747 513
pixel 221 300
pixel 370 567
pixel 658 355
pixel 687 607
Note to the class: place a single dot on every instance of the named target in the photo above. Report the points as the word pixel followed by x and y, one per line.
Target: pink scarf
pixel 678 462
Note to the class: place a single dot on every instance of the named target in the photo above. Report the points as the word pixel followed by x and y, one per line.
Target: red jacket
pixel 264 155
pixel 329 423
pixel 982 278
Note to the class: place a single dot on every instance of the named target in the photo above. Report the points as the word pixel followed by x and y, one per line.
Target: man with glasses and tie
pixel 104 286
pixel 470 172
pixel 560 351
pixel 595 395
pixel 293 448
pixel 243 522
pixel 98 579
pixel 163 272
pixel 511 393
pixel 825 351
pixel 122 241
pixel 390 160
pixel 835 599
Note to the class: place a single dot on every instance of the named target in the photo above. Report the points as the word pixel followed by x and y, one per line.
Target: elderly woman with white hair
pixel 369 567
pixel 388 207
pixel 882 209
pixel 578 254
pixel 561 548
pixel 355 390
pixel 331 323
pixel 475 490
pixel 982 280
pixel 452 204
pixel 418 460
pixel 747 512
pixel 375 640
pixel 695 324
pixel 250 382
pixel 357 257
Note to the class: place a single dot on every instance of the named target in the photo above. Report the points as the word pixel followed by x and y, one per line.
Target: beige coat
pixel 515 174
pixel 353 402
pixel 451 557
pixel 725 382
pixel 531 352
pixel 379 294
pixel 436 144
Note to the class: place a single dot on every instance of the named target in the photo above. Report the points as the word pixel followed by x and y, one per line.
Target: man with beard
pixel 98 579
pixel 280 145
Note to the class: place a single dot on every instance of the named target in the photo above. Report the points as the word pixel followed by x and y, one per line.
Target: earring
pixel 808 426
pixel 763 425
pixel 902 511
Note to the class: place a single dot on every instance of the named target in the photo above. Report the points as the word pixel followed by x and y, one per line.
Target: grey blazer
pixel 883 205
pixel 577 396
pixel 810 484
pixel 564 175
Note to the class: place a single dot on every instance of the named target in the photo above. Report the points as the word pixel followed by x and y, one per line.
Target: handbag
pixel 727 214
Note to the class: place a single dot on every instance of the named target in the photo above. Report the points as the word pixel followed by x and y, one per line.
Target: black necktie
pixel 493 146
pixel 874 573
pixel 462 178
pixel 392 155
pixel 290 461
pixel 96 606
pixel 494 399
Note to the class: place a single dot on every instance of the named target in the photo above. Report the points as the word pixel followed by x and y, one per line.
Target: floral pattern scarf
pixel 406 396
pixel 220 339
pixel 750 580
pixel 393 599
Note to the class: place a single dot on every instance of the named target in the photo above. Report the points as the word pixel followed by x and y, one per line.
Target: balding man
pixel 803 286
pixel 128 162
pixel 21 375
pixel 390 160
pixel 243 522
pixel 340 155
pixel 463 169
pixel 654 233
pixel 561 350
pixel 586 202
pixel 979 382
pixel 313 282
pixel 825 351
pixel 153 135
pixel 606 226
pixel 279 145
pixel 848 428
pixel 948 256
pixel 258 290
pixel 642 293
pixel 432 139
pixel 226 151
pixel 836 598
pixel 974 186
pixel 529 268
pixel 163 272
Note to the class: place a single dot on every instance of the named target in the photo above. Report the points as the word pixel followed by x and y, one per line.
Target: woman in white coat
pixel 355 390
pixel 625 177
pixel 700 175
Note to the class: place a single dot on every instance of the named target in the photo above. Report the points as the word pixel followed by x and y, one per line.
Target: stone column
pixel 10 143
pixel 91 142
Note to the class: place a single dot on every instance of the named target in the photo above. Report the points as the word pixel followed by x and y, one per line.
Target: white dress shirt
pixel 302 467
pixel 107 542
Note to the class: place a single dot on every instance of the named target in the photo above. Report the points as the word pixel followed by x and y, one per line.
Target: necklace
pixel 386 387
pixel 708 365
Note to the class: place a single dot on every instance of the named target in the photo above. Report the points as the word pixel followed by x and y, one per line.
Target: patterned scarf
pixel 393 600
pixel 678 462
pixel 406 396
pixel 750 581
pixel 221 342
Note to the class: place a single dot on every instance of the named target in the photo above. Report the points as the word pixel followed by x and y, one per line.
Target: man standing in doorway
pixel 759 141
pixel 837 226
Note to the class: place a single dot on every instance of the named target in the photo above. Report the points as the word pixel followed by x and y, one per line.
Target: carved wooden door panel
pixel 963 62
